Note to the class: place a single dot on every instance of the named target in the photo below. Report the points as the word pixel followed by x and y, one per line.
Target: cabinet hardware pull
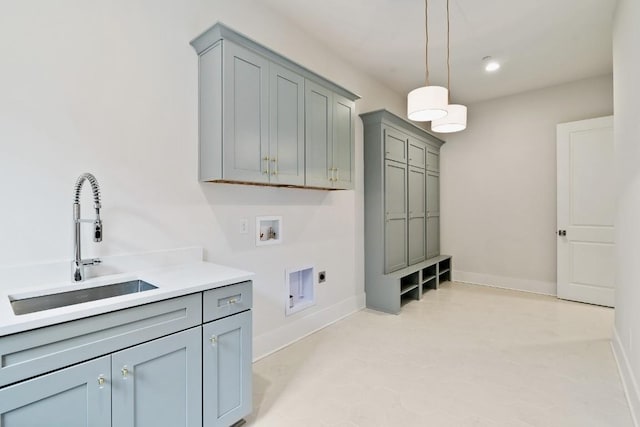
pixel 232 301
pixel 331 175
pixel 275 166
pixel 337 174
pixel 213 339
pixel 101 381
pixel 266 172
pixel 125 372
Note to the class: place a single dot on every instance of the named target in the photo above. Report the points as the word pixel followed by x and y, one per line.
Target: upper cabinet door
pixel 343 142
pixel 433 160
pixel 395 145
pixel 246 118
pixel 433 194
pixel 417 153
pixel 319 136
pixel 286 142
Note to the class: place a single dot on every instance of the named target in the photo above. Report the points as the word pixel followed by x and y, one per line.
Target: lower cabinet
pixel 152 384
pixel 79 396
pixel 179 372
pixel 159 383
pixel 227 370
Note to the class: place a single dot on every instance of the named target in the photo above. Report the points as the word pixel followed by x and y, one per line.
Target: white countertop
pixel 171 281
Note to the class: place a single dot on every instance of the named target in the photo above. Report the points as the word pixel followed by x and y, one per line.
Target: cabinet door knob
pixel 213 339
pixel 125 372
pixel 101 381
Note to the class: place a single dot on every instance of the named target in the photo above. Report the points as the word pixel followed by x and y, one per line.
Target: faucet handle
pixel 97 231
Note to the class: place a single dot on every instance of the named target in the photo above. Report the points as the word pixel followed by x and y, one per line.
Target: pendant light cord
pixel 448 57
pixel 426 50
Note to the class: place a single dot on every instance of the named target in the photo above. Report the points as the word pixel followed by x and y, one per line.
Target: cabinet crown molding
pixel 220 31
pixel 388 117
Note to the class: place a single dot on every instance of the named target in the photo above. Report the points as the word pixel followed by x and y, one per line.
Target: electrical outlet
pixel 322 277
pixel 244 225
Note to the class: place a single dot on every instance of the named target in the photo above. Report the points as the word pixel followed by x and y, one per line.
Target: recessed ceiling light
pixel 490 64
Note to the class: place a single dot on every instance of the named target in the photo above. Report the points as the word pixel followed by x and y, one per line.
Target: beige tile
pixel 462 356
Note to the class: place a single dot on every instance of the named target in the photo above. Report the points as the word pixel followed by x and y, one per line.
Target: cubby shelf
pixel 410 283
pixel 428 279
pixel 407 288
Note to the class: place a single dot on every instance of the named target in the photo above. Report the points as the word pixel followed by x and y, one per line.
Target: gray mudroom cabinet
pixel 184 361
pixel 264 119
pixel 402 211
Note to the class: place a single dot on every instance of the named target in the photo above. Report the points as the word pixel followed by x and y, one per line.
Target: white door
pixel 586 211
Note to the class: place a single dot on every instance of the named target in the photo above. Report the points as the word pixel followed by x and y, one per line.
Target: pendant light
pixel 428 102
pixel 456 119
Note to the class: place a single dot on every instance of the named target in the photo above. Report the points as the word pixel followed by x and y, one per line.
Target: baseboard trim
pixel 631 390
pixel 273 341
pixel 502 282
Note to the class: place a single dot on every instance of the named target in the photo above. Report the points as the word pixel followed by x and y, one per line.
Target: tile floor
pixel 464 355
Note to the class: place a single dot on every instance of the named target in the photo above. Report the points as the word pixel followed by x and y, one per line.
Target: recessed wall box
pixel 300 290
pixel 268 230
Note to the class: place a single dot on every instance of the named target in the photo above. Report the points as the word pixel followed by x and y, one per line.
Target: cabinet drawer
pixel 226 301
pixel 27 354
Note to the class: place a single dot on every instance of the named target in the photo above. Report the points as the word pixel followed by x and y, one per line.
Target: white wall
pixel 498 184
pixel 111 88
pixel 626 69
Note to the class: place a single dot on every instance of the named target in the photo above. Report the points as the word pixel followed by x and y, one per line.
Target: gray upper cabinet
pixel 319 136
pixel 330 137
pixel 264 119
pixel 433 160
pixel 343 143
pixel 395 145
pixel 246 130
pixel 417 153
pixel 79 396
pixel 286 127
pixel 159 382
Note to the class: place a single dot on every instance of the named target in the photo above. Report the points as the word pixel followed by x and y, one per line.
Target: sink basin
pixel 63 299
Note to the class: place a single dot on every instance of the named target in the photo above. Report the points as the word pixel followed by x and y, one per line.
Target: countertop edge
pixel 198 277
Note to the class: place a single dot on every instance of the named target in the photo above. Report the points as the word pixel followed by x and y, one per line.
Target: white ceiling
pixel 539 42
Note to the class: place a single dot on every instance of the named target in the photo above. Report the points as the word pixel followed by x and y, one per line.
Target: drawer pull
pixel 232 301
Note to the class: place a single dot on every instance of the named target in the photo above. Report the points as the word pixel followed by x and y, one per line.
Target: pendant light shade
pixel 427 103
pixel 455 121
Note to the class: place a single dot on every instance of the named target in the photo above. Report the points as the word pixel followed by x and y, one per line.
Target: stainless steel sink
pixel 63 299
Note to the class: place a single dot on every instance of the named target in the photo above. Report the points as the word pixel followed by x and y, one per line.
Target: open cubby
pixel 444 270
pixel 394 290
pixel 429 277
pixel 409 282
